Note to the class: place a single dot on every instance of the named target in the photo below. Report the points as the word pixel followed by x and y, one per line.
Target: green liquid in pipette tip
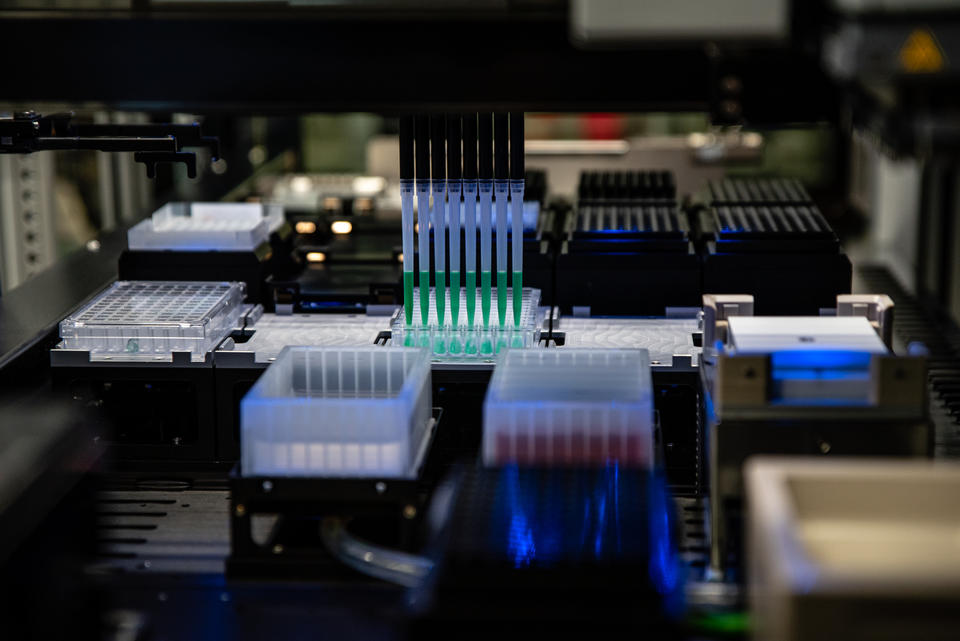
pixel 517 297
pixel 471 297
pixel 425 299
pixel 502 297
pixel 455 299
pixel 441 288
pixel 485 298
pixel 408 297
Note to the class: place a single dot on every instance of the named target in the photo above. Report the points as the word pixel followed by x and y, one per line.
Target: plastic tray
pixel 569 407
pixel 206 227
pixel 356 412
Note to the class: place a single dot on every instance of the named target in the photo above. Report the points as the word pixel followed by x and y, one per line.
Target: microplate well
pixel 150 320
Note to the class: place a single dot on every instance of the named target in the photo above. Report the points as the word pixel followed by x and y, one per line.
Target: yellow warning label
pixel 921 53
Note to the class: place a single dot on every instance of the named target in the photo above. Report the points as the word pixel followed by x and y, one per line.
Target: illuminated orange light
pixel 341 227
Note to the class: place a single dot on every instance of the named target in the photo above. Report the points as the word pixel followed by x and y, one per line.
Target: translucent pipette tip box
pixel 464 342
pixel 338 412
pixel 206 227
pixel 570 407
pixel 150 320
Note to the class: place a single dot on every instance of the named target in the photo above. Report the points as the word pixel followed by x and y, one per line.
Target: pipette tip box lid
pixel 464 342
pixel 570 407
pixel 338 412
pixel 150 320
pixel 206 227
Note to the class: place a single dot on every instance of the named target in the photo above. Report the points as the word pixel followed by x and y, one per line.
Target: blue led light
pixel 821 359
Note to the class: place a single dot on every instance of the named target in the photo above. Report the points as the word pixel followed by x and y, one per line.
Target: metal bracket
pixel 151 158
pixel 877 308
pixel 717 308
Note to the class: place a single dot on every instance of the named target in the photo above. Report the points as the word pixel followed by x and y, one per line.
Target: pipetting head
pixel 438 147
pixel 485 145
pixel 469 146
pixel 422 134
pixel 406 148
pixel 453 147
pixel 516 145
pixel 501 168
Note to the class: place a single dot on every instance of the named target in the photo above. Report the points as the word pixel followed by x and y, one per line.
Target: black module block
pixel 145 411
pixel 556 548
pixel 626 248
pixel 249 267
pixel 785 255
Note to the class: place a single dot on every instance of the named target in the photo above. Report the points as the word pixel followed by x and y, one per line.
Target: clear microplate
pixel 663 338
pixel 150 320
pixel 338 412
pixel 465 342
pixel 206 227
pixel 560 406
pixel 273 332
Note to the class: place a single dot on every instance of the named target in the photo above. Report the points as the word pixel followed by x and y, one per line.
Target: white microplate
pixel 564 406
pixel 322 412
pixel 766 334
pixel 150 320
pixel 465 342
pixel 206 227
pixel 663 338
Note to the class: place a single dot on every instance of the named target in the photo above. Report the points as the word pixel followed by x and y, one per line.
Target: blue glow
pixel 605 517
pixel 520 543
pixel 838 359
pixel 665 568
pixel 815 374
pixel 329 304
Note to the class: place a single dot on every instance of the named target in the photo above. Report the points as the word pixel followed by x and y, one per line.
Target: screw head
pixel 824 447
pixel 380 487
pixel 278 549
pixel 409 512
pixel 240 510
pixel 731 84
pixel 730 107
pixel 267 485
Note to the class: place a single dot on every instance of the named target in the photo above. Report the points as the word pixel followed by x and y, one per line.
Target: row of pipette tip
pixel 431 170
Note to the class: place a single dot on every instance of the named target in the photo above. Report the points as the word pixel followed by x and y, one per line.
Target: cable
pixel 394 566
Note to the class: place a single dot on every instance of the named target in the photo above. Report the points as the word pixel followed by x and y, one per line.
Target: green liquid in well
pixel 440 286
pixel 517 297
pixel 408 297
pixel 502 297
pixel 455 298
pixel 424 298
pixel 471 297
pixel 485 298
